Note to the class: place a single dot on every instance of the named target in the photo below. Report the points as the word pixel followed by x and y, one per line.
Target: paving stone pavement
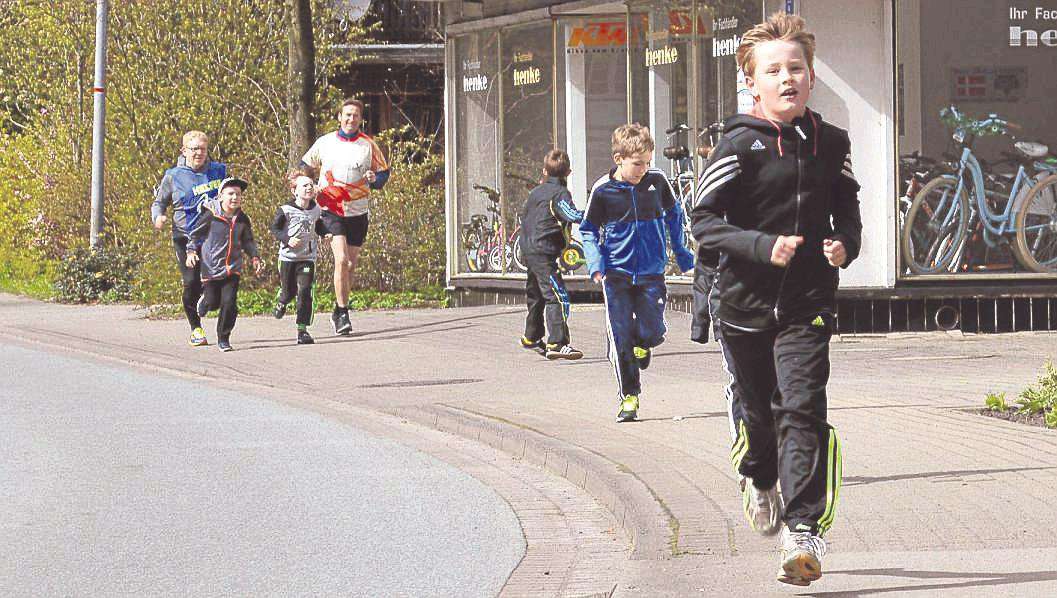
pixel 937 500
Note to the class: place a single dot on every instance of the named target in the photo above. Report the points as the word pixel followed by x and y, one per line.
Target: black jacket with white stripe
pixel 765 179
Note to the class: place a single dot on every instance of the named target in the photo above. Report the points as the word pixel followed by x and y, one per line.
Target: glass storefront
pixel 568 82
pixel 976 139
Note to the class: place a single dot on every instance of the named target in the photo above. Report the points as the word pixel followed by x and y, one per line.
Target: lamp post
pixel 98 121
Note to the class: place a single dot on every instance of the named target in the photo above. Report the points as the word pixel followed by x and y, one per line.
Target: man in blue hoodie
pixel 623 232
pixel 185 187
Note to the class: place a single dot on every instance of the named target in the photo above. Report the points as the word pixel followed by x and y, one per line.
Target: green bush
pixel 100 274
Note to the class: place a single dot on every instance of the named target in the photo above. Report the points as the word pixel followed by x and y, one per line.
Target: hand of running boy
pixel 294 242
pixel 159 222
pixel 596 277
pixel 370 176
pixel 192 259
pixel 258 265
pixel 784 249
pixel 835 253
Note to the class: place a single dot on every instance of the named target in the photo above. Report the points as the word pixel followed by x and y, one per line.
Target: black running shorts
pixel 353 228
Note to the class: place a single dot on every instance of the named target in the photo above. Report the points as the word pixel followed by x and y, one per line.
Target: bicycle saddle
pixel 1032 149
pixel 676 152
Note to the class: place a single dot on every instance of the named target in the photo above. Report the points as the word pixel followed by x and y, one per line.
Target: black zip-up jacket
pixel 767 179
pixel 547 212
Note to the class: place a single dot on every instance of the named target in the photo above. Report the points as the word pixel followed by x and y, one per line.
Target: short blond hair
pixel 192 135
pixel 778 26
pixel 632 139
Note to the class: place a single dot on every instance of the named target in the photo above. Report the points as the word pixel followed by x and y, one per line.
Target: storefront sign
pixel 527 76
pixel 1031 37
pixel 598 35
pixel 725 47
pixel 662 56
pixel 476 82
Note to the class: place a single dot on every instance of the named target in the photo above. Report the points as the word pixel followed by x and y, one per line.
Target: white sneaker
pixel 763 508
pixel 801 557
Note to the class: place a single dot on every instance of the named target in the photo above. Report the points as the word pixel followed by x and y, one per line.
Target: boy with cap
pixel 222 233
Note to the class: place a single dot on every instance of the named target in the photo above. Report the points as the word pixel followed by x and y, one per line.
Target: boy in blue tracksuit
pixel 623 232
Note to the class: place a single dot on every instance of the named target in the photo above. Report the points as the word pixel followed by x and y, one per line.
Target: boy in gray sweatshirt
pixel 297 227
pixel 221 234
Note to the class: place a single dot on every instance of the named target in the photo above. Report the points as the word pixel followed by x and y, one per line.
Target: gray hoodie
pixel 220 241
pixel 291 220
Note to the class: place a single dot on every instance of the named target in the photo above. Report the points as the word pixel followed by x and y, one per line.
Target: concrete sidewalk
pixel 936 500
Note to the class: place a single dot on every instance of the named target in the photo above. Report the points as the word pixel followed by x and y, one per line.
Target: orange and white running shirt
pixel 342 163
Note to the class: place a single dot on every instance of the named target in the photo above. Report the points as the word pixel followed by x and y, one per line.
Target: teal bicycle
pixel 949 207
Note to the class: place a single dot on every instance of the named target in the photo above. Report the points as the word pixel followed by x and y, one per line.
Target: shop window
pixel 592 77
pixel 978 171
pixel 528 121
pixel 477 137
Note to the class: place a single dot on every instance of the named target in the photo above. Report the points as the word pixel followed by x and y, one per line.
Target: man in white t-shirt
pixel 350 164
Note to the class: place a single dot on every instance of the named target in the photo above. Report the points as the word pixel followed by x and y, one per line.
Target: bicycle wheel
pixel 935 227
pixel 1036 226
pixel 519 258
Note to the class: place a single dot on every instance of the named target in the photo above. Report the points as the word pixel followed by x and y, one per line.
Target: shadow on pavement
pixel 863 480
pixel 979 580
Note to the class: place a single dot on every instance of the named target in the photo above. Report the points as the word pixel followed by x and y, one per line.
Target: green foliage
pixel 1042 396
pixel 996 402
pixel 95 275
pixel 174 66
pixel 405 243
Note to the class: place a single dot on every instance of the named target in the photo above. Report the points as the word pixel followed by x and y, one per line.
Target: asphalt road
pixel 116 482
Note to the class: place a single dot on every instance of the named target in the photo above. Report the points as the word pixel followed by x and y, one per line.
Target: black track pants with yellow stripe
pixel 782 374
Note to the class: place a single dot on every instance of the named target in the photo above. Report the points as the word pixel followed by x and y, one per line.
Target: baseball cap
pixel 232 181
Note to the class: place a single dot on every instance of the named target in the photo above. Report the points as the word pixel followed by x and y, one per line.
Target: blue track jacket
pixel 623 226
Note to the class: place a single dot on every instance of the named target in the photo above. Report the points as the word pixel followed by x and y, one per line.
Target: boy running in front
pixel 780 203
pixel 623 232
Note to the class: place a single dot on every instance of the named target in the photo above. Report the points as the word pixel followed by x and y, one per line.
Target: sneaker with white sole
pixel 563 352
pixel 629 408
pixel 198 338
pixel 763 508
pixel 800 560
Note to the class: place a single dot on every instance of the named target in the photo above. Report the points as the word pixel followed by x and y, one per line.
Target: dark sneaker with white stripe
pixel 224 346
pixel 563 352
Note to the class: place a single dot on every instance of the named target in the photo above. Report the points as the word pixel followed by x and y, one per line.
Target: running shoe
pixel 198 338
pixel 279 311
pixel 763 508
pixel 202 308
pixel 304 338
pixel 341 322
pixel 224 346
pixel 563 352
pixel 536 345
pixel 800 557
pixel 629 408
pixel 643 356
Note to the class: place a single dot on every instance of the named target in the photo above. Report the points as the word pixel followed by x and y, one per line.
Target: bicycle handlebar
pixel 490 192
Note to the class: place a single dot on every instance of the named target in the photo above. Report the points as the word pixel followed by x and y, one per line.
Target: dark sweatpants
pixel 705 297
pixel 192 282
pixel 634 318
pixel 548 301
pixel 295 280
pixel 782 373
pixel 223 293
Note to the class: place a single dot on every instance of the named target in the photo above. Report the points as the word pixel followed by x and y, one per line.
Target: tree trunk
pixel 301 80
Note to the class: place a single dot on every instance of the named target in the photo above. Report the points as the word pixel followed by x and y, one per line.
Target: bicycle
pixel 681 174
pixel 941 216
pixel 486 245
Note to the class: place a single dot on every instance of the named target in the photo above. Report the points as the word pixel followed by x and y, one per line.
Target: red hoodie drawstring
pixel 775 125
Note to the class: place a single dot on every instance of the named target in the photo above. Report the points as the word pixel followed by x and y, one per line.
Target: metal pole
pixel 98 121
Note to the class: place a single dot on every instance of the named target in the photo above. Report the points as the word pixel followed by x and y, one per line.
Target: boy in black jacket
pixel 780 203
pixel 547 213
